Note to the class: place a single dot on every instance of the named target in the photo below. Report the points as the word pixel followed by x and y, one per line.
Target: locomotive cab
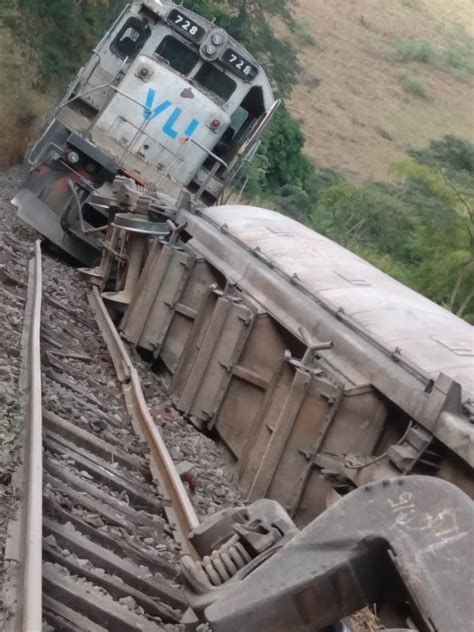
pixel 168 99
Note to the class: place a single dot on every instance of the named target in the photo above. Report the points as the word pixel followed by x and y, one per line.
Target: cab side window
pixel 131 38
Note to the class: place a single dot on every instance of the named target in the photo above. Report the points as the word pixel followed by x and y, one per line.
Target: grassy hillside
pixel 21 106
pixel 379 76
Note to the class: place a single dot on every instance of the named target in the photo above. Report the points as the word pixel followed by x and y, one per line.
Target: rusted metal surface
pixel 406 544
pixel 231 543
pixel 177 505
pixel 31 564
pixel 266 253
pixel 398 318
pixel 309 400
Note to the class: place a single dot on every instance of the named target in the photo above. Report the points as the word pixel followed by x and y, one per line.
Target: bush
pixel 304 35
pixel 407 50
pixel 415 5
pixel 458 58
pixel 21 106
pixel 414 86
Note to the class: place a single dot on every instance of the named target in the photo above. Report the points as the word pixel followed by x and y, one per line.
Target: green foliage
pixel 303 34
pixel 369 216
pixel 419 230
pixel 414 5
pixel 450 153
pixel 413 86
pixel 457 58
pixel 283 144
pixel 408 50
pixel 439 183
pixel 59 33
pixel 284 175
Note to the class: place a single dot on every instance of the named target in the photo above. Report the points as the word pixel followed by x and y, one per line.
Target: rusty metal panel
pixel 255 466
pixel 185 313
pixel 219 352
pixel 193 346
pixel 358 424
pixel 308 414
pixel 282 433
pixel 251 377
pixel 329 422
pixel 148 286
pixel 292 272
pixel 261 434
pixel 171 287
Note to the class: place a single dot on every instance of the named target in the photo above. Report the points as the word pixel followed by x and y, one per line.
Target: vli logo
pixel 150 112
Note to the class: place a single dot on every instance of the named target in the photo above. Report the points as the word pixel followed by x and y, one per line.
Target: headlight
pixel 73 157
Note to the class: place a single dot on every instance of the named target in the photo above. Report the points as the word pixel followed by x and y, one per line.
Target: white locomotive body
pixel 167 99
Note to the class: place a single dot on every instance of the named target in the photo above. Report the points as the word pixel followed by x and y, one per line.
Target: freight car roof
pixel 398 318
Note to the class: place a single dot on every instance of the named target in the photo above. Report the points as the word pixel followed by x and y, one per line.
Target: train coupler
pixel 405 544
pixel 231 544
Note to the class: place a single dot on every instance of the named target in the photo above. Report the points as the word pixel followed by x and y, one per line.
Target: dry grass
pixel 356 113
pixel 365 621
pixel 21 107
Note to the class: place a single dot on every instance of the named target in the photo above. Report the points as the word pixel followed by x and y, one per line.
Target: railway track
pixel 105 513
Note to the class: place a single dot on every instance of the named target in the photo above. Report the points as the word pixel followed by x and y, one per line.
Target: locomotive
pixel 168 99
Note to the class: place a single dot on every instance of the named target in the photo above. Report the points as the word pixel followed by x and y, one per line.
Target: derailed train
pixel 319 372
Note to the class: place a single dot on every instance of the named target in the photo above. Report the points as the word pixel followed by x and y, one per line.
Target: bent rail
pixel 177 505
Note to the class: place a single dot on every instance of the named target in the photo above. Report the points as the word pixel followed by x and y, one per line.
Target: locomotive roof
pixel 162 8
pixel 394 316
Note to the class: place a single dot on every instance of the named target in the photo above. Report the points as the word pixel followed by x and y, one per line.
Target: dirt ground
pixel 356 115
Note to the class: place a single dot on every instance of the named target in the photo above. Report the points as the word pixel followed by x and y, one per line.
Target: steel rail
pixel 177 505
pixel 32 558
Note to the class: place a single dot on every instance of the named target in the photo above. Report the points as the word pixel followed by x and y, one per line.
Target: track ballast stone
pixel 80 387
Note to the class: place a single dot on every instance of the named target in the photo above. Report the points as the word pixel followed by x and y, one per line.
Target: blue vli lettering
pixel 150 112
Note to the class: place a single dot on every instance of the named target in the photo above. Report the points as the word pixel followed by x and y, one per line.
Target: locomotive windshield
pixel 184 60
pixel 179 56
pixel 216 81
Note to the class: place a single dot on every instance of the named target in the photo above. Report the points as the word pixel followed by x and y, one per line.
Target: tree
pixel 366 216
pixel 58 33
pixel 442 196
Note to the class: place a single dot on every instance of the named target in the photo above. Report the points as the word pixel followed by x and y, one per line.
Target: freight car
pixel 166 98
pixel 319 372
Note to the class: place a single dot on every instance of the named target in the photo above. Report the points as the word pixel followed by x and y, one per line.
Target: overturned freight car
pixel 319 372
